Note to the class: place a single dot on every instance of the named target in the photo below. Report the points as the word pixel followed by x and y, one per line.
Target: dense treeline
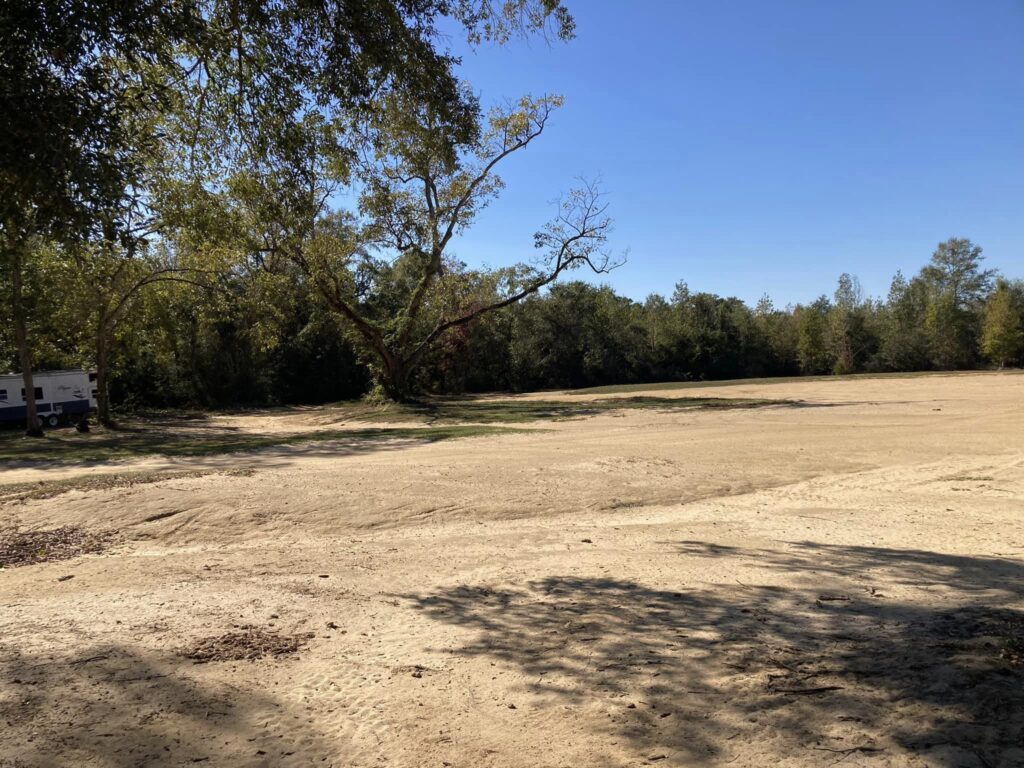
pixel 240 201
pixel 184 344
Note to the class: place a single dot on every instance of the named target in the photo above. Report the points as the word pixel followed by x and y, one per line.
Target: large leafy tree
pixel 75 76
pixel 384 265
pixel 80 83
pixel 415 158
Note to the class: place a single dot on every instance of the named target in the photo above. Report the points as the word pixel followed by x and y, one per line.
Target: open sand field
pixel 834 581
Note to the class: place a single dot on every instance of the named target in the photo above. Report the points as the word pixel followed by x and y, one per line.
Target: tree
pixel 75 80
pixel 423 177
pixel 854 338
pixel 81 77
pixel 779 333
pixel 955 270
pixel 15 254
pixel 957 286
pixel 1002 338
pixel 904 339
pixel 843 322
pixel 310 99
pixel 111 277
pixel 813 337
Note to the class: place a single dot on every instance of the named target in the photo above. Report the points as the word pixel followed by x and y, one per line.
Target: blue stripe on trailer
pixel 70 407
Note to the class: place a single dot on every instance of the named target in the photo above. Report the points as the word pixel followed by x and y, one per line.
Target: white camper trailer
pixel 61 396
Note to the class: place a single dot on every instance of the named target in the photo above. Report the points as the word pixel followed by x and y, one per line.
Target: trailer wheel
pixel 52 420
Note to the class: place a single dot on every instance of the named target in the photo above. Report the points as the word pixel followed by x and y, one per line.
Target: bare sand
pixel 834 582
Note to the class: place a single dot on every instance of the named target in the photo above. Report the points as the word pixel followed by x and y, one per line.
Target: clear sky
pixel 753 146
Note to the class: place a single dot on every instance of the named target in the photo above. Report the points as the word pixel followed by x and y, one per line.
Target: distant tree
pixel 778 329
pixel 1002 337
pixel 955 270
pixel 845 324
pixel 957 286
pixel 904 339
pixel 813 346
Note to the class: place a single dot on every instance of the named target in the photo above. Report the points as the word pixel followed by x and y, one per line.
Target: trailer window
pixel 3 394
pixel 38 391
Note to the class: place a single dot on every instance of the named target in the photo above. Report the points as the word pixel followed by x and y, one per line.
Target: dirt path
pixel 838 582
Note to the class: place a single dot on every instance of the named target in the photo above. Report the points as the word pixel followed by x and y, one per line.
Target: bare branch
pixel 577 237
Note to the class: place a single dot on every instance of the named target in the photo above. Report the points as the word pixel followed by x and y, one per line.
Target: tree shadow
pixel 115 707
pixel 512 410
pixel 222 446
pixel 752 674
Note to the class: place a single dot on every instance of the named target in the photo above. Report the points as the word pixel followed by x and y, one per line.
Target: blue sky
pixel 754 147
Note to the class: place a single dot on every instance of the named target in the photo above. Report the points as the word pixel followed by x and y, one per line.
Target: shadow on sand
pixel 751 675
pixel 119 708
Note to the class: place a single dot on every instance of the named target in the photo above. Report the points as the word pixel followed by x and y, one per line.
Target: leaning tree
pixel 362 185
pixel 420 189
pixel 420 178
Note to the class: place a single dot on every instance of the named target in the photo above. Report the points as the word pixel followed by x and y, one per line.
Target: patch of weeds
pixel 19 548
pixel 47 489
pixel 247 643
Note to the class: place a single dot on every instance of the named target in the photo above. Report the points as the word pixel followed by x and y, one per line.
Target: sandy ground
pixel 830 583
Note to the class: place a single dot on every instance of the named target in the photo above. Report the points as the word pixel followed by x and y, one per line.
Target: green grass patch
pixel 523 411
pixel 148 440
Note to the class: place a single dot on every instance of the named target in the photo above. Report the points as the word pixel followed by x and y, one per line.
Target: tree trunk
pixel 32 425
pixel 395 379
pixel 102 391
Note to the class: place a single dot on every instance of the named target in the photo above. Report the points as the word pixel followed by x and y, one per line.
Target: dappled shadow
pixel 751 674
pixel 998 579
pixel 115 707
pixel 113 446
pixel 492 411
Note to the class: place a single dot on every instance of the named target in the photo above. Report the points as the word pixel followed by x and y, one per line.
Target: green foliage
pixel 223 202
pixel 814 350
pixel 80 83
pixel 218 130
pixel 269 337
pixel 1002 339
pixel 956 287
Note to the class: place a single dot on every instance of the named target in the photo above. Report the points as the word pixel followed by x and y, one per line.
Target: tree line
pixel 181 344
pixel 244 201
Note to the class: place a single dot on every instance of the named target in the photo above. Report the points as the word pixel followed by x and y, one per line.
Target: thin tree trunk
pixel 102 391
pixel 32 425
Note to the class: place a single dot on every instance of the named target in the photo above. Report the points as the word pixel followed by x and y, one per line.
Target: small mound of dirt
pixel 245 644
pixel 31 547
